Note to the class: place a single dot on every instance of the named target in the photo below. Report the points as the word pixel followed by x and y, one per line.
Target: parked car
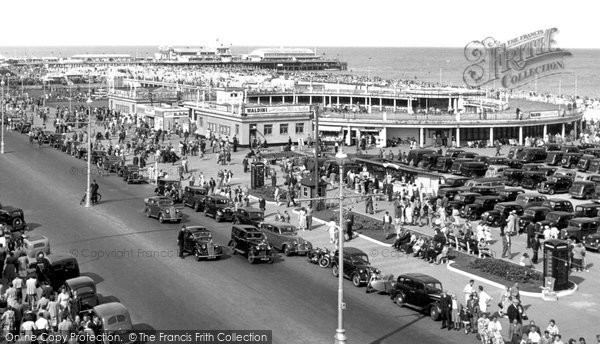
pixel 532 154
pixel 512 153
pixel 454 152
pixel 495 170
pixel 570 149
pixel 55 268
pixel 34 245
pixel 356 266
pixel 558 204
pixel 131 174
pixel 13 217
pixel 498 183
pixel 554 185
pixel 587 210
pixel 415 155
pixel 482 158
pixel 558 219
pixel 554 158
pixel 594 166
pixel 285 238
pixel 592 242
pixel 429 161
pixel 420 291
pixel 583 189
pixel 484 190
pixel 593 178
pixel 453 182
pixel 198 242
pixel 579 228
pixel 570 160
pixel 248 216
pixel 114 320
pixel 249 241
pixel 496 160
pixel 532 215
pixel 492 217
pixel 467 155
pixel 472 169
pixel 530 200
pixel 595 152
pixel 552 147
pixel 218 207
pixel 460 200
pixel 533 179
pixel 509 194
pixel 513 176
pixel 168 187
pixel 162 208
pixel 193 196
pixel 443 164
pixel 514 163
pixel 456 165
pixel 584 162
pixel 87 296
pixel 450 193
pixel 482 204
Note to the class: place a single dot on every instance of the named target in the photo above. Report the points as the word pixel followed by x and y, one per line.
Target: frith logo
pixel 516 62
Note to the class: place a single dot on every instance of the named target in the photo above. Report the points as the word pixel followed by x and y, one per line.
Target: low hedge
pixel 267 192
pixel 506 270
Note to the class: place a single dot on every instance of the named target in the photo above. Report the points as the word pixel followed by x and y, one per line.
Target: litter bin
pixel 257 175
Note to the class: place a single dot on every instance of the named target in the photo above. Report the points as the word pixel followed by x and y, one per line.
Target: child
pixel 465 318
pixel 455 311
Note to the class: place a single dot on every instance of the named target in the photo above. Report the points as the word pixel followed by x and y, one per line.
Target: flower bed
pixel 365 225
pixel 267 192
pixel 499 271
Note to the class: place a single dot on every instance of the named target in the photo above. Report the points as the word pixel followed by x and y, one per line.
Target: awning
pixel 329 128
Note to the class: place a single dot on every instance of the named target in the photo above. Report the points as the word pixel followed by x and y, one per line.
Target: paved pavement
pixel 576 315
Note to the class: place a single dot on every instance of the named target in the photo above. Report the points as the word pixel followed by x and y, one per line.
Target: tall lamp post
pixel 340 333
pixel 88 198
pixel 2 104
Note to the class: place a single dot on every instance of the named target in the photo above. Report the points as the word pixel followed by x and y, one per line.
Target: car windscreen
pixel 553 217
pixel 255 216
pixel 202 235
pixel 434 286
pixel 221 201
pixel 254 236
pixel 85 290
pixel 360 258
pixel 529 212
pixel 287 229
pixel 165 203
pixel 577 188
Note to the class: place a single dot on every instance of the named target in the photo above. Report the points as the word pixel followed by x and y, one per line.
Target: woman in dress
pixel 495 331
pixel 302 219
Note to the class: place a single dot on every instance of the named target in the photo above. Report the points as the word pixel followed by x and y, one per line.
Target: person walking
pixel 349 223
pixel 309 213
pixel 181 239
pixel 332 228
pixel 262 203
pixel 506 244
pixel 302 219
pixel 369 205
pixel 446 310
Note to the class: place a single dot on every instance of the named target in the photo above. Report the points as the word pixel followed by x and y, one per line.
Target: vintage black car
pixel 532 154
pixel 530 200
pixel 514 163
pixel 85 288
pixel 482 158
pixel 532 215
pixel 443 164
pixel 450 193
pixel 595 152
pixel 460 200
pixel 456 165
pixel 484 190
pixel 193 196
pixel 588 210
pixel 420 291
pixel 198 242
pixel 583 189
pixel 492 217
pixel 552 147
pixel 356 266
pixel 512 153
pixel 533 179
pixel 558 219
pixel 554 158
pixel 467 155
pixel 594 166
pixel 285 238
pixel 429 161
pixel 453 152
pixel 168 187
pixel 554 185
pixel 111 163
pixel 248 216
pixel 579 228
pixel 162 208
pixel 584 162
pixel 513 176
pixel 482 204
pixel 473 169
pixel 23 127
pixel 570 160
pixel 56 268
pixel 592 242
pixel 249 241
pixel 131 174
pixel 218 207
pixel 509 194
pixel 558 204
pixel 13 217
pixel 98 155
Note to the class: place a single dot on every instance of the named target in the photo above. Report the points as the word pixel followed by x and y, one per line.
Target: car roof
pixel 506 204
pixel 558 200
pixel 109 309
pixel 79 281
pixel 561 213
pixel 248 228
pixel 538 208
pixel 9 208
pixel 56 257
pixel 353 250
pixel 594 205
pixel 469 194
pixel 421 277
pixel 196 228
pixel 585 219
pixel 488 197
pixel 513 190
pixel 35 238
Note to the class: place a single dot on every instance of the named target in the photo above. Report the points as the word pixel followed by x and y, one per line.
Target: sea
pixel 581 77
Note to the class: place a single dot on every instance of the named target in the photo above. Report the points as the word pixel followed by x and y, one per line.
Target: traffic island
pixel 500 273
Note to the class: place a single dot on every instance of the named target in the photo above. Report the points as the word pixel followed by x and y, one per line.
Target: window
pixel 268 129
pixel 237 129
pixel 299 128
pixel 283 129
pixel 200 122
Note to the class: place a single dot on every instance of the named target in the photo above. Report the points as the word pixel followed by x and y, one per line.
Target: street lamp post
pixel 2 103
pixel 88 198
pixel 340 333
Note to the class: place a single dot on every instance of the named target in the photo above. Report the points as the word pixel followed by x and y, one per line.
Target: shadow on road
pixel 106 299
pixel 116 235
pixel 400 329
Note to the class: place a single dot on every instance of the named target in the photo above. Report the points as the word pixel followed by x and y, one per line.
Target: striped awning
pixel 329 128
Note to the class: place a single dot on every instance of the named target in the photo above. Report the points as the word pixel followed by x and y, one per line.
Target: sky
pixel 308 23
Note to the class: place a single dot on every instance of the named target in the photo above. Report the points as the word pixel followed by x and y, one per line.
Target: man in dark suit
pixel 446 309
pixel 181 239
pixel 349 223
pixel 513 312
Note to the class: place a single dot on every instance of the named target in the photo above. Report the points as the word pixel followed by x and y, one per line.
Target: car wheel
pixel 287 251
pixel 196 207
pixel 496 223
pixel 197 255
pixel 147 211
pixel 324 262
pixel 236 221
pixel 473 217
pixel 356 280
pixel 335 271
pixel 399 299
pixel 17 223
pixel 161 219
pixel 551 191
pixel 434 313
pixel 232 248
pixel 572 166
pixel 251 259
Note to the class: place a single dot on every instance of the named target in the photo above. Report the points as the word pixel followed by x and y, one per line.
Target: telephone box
pixel 257 175
pixel 310 189
pixel 556 263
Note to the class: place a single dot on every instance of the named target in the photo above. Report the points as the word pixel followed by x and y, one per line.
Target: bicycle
pixel 94 201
